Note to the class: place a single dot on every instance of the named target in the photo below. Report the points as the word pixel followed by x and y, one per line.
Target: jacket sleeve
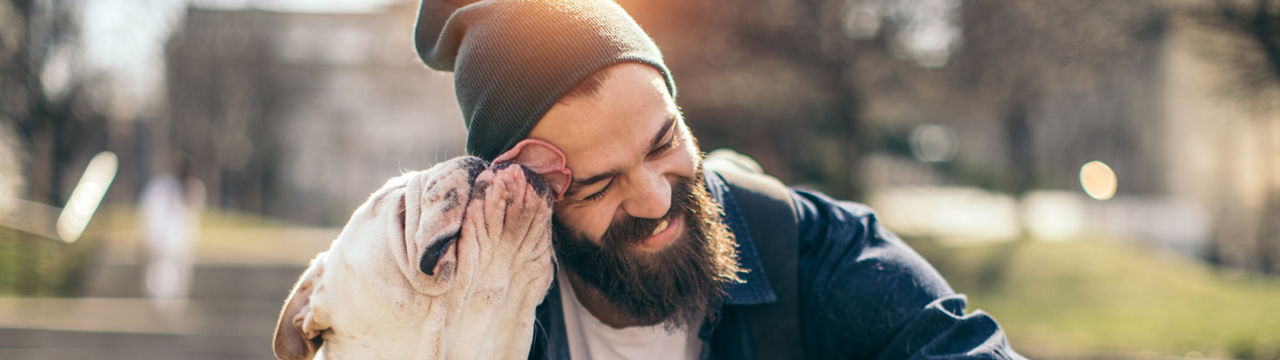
pixel 866 295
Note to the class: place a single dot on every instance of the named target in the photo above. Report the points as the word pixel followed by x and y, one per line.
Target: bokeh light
pixel 1098 180
pixel 934 143
pixel 87 195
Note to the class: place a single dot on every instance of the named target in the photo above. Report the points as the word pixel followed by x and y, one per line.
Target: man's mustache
pixel 631 230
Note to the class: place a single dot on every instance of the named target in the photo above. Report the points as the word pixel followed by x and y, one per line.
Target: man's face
pixel 636 222
pixel 626 145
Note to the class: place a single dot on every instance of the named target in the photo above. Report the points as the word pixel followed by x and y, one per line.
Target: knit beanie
pixel 513 59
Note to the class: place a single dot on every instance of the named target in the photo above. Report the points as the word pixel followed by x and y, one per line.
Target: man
pixel 662 257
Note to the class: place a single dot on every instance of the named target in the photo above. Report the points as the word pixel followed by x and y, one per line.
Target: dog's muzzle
pixel 474 166
pixel 439 245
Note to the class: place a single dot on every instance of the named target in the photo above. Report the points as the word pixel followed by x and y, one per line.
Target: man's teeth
pixel 661 226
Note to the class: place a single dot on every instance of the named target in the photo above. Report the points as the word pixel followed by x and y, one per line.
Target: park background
pixel 1103 177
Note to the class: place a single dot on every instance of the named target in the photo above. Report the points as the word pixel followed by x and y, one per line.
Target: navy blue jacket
pixel 864 294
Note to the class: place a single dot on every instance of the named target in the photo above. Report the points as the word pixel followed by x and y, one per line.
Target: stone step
pixel 135 315
pixel 134 328
pixel 244 282
pixel 61 344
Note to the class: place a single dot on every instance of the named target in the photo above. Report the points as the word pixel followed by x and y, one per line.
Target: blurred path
pixel 244 269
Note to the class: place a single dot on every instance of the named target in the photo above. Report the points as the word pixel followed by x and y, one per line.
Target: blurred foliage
pixel 1245 42
pixel 52 106
pixel 1249 49
pixel 1100 298
pixel 34 266
pixel 809 89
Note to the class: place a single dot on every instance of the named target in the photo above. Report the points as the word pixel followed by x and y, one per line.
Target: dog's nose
pixel 474 166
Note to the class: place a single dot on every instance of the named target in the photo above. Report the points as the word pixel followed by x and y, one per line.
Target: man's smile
pixel 663 234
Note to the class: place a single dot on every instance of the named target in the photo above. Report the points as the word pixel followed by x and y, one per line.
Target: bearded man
pixel 661 257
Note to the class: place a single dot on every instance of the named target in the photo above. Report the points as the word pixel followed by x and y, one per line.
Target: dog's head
pixel 395 255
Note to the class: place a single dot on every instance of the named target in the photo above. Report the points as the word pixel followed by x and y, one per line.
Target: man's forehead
pixel 612 127
pixel 591 154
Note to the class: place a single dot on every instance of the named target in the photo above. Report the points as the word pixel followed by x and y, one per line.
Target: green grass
pixel 1086 299
pixel 34 266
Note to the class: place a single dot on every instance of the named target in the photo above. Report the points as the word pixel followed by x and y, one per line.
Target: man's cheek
pixel 579 221
pixel 689 157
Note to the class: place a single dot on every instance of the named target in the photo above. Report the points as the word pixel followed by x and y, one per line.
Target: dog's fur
pixel 449 262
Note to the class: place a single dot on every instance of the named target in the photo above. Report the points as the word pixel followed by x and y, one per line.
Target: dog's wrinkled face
pixel 416 256
pixel 418 216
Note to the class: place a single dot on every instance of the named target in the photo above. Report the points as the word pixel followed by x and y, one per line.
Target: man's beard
pixel 680 286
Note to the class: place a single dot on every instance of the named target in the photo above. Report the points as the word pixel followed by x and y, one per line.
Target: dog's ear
pixel 298 330
pixel 544 159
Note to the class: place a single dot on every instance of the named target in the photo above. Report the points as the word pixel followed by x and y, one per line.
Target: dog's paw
pixel 505 243
pixel 510 222
pixel 505 264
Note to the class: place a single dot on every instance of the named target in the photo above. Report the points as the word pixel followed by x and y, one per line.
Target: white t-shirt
pixel 591 339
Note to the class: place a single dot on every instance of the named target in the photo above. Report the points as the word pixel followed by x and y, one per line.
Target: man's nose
pixel 650 197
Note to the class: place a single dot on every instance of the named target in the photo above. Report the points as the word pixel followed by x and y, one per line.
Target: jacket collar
pixel 755 288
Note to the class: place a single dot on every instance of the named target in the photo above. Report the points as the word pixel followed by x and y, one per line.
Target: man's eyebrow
pixel 657 140
pixel 593 180
pixel 666 128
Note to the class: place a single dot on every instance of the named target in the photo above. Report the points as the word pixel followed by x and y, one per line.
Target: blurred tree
pixel 1254 57
pixel 754 78
pixel 1065 82
pixel 779 80
pixel 48 98
pixel 228 94
pixel 221 98
pixel 810 87
pixel 1251 55
pixel 1033 89
pixel 50 105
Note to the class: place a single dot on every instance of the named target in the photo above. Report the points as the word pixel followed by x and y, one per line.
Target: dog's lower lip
pixel 435 251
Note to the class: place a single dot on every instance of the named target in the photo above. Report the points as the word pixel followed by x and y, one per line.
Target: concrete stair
pixel 231 315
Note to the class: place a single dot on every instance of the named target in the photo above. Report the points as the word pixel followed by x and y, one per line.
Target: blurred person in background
pixel 170 205
pixel 669 254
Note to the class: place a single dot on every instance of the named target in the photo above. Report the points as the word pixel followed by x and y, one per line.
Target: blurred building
pixel 301 115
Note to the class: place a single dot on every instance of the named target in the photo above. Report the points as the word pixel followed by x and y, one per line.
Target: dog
pixel 446 263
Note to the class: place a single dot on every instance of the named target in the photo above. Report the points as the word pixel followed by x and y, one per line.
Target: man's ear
pixel 544 159
pixel 298 330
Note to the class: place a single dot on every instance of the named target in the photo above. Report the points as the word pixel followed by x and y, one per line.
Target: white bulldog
pixel 446 263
